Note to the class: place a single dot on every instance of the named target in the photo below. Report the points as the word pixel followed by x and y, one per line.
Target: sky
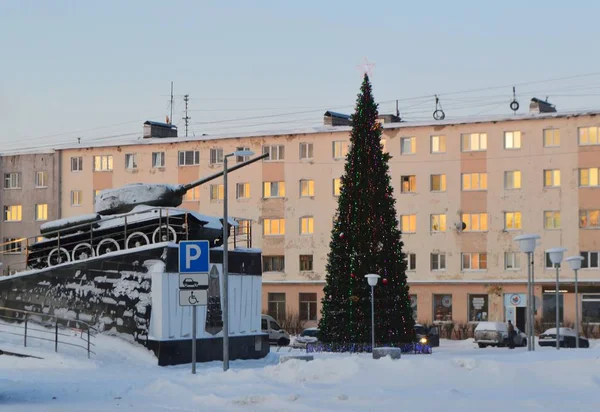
pixel 92 70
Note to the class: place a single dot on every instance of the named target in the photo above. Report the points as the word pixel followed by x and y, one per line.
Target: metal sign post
pixel 194 261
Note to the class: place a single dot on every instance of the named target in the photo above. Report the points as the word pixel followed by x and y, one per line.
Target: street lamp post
pixel 226 259
pixel 556 256
pixel 575 263
pixel 372 279
pixel 527 245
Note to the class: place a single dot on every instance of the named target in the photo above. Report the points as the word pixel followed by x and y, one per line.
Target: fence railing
pixel 86 240
pixel 48 328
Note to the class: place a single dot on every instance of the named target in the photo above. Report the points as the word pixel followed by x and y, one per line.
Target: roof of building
pixel 139 140
pixel 153 123
pixel 336 114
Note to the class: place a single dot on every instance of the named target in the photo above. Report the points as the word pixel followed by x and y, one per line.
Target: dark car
pixel 428 335
pixel 567 338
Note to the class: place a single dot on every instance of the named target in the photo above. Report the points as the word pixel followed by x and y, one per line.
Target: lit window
pixel 512 179
pixel 103 163
pixel 273 227
pixel 589 219
pixel 474 261
pixel 337 186
pixel 158 159
pixel 41 179
pixel 192 195
pixel 438 144
pixel 588 177
pixel 340 150
pixel 475 222
pixel 438 223
pixel 552 178
pixel 408 184
pixel 588 136
pixel 76 197
pixel 273 189
pixel 474 142
pixel 512 140
pixel 474 181
pixel 512 220
pixel 13 213
pixel 408 145
pixel 307 225
pixel 306 151
pixel 438 261
pixel 307 188
pixel 438 183
pixel 409 223
pixel 552 220
pixel 217 192
pixel 242 190
pixel 41 211
pixel 552 138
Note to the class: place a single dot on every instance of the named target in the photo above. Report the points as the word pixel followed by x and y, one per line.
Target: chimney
pixel 157 129
pixel 541 106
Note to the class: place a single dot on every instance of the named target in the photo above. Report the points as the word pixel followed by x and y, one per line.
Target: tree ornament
pixel 342 235
pixel 385 281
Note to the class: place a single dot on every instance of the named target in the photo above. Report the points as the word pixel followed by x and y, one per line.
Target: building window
pixel 590 260
pixel 308 306
pixel 512 221
pixel 552 138
pixel 273 227
pixel 307 188
pixel 130 161
pixel 549 308
pixel 474 181
pixel 76 197
pixel 276 152
pixel 95 195
pixel 512 179
pixel 307 225
pixel 76 164
pixel 411 261
pixel 337 186
pixel 306 263
pixel 588 136
pixel 552 219
pixel 243 227
pixel 240 159
pixel 189 158
pixel 408 145
pixel 103 163
pixel 512 140
pixel 306 151
pixel 478 308
pixel 242 190
pixel 438 183
pixel 442 308
pixel 548 261
pixel 12 180
pixel 474 142
pixel 408 184
pixel 41 179
pixel 474 261
pixel 13 213
pixel 192 195
pixel 273 189
pixel 438 261
pixel 340 150
pixel 12 245
pixel 217 192
pixel 590 308
pixel 273 263
pixel 438 144
pixel 413 305
pixel 277 305
pixel 438 223
pixel 158 159
pixel 41 211
pixel 409 223
pixel 588 177
pixel 475 222
pixel 512 261
pixel 216 156
pixel 552 178
pixel 589 219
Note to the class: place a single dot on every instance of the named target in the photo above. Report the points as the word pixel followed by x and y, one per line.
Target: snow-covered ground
pixel 457 377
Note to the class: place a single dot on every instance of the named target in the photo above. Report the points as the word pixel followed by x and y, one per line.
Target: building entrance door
pixel 520 318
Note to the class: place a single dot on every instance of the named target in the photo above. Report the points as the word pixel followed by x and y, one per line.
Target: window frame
pixel 39 173
pixel 441 141
pixel 515 137
pixel 338 187
pixel 306 151
pixel 36 212
pixel 76 194
pixel 554 134
pixel 182 156
pixel 78 161
pixel 553 217
pixel 513 174
pixel 411 180
pixel 240 159
pixel 588 128
pixel 411 262
pixel 342 151
pixel 481 137
pixel 155 157
pixel 588 219
pixel 515 261
pixel 242 190
pixel 8 178
pixel 110 165
pixel 305 299
pixel 479 181
pixel 469 224
pixel 310 188
pixel 479 260
pixel 442 222
pixel 216 156
pixel 442 181
pixel 279 305
pixel 590 172
pixel 276 263
pixel 270 221
pixel 587 259
pixel 516 216
pixel 8 211
pixel 413 145
pixel 131 156
pixel 440 257
pixel 217 192
pixel 305 261
pixel 412 218
pixel 277 149
pixel 553 175
pixel 308 223
pixel 280 187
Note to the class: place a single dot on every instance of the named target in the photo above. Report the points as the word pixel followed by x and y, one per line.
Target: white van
pixel 276 335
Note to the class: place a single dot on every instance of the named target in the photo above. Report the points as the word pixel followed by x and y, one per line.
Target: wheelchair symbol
pixel 192 299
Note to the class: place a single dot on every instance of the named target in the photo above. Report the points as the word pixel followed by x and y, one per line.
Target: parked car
pixel 277 335
pixel 567 338
pixel 496 334
pixel 308 335
pixel 428 336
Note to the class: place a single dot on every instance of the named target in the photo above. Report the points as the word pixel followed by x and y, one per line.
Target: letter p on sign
pixel 194 256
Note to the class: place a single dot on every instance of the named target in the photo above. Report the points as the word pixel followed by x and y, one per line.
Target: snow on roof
pixel 563 332
pixel 496 326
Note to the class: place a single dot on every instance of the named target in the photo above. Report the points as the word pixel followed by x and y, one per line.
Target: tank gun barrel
pixel 206 179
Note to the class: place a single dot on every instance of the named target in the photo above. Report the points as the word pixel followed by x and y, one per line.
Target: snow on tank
pixel 124 199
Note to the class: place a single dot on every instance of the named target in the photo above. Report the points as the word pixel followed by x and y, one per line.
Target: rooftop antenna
pixel 171 117
pixel 397 111
pixel 514 105
pixel 187 118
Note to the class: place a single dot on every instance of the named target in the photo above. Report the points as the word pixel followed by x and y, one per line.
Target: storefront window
pixel 549 308
pixel 590 308
pixel 442 308
pixel 478 308
pixel 413 305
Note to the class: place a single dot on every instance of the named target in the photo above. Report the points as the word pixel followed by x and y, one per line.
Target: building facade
pixel 464 190
pixel 30 197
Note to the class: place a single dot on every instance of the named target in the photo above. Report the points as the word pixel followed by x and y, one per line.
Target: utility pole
pixel 171 104
pixel 187 118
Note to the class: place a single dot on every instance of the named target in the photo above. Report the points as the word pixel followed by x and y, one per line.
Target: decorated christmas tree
pixel 366 239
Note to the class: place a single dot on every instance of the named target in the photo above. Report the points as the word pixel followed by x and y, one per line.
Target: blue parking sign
pixel 194 256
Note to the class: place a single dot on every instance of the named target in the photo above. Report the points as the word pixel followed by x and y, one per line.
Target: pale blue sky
pixel 70 65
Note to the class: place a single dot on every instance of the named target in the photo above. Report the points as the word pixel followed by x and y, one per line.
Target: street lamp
pixel 226 258
pixel 556 256
pixel 372 279
pixel 527 244
pixel 575 263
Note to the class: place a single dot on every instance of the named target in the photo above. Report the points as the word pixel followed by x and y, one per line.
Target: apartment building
pixel 29 197
pixel 464 190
